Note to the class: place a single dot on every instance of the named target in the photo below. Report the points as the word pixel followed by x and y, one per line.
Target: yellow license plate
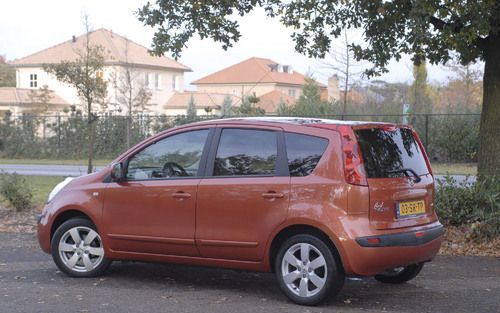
pixel 410 208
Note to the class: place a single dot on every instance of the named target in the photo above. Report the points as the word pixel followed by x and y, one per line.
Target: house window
pixel 175 82
pixel 99 74
pixel 291 92
pixel 147 81
pixel 157 81
pixel 33 80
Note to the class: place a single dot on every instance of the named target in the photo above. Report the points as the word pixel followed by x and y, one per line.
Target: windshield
pixel 387 153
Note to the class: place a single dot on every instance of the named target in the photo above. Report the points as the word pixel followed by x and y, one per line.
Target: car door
pixel 244 195
pixel 153 209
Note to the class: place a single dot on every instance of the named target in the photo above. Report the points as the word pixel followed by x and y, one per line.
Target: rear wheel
pixel 77 249
pixel 400 275
pixel 307 270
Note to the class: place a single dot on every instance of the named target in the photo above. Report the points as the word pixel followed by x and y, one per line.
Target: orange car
pixel 313 200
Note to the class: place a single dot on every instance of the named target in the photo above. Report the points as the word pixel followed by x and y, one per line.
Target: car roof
pixel 306 121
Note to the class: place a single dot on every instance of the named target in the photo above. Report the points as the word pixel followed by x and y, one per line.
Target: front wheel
pixel 77 249
pixel 307 270
pixel 400 275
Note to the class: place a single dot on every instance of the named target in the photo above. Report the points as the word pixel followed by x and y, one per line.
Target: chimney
pixel 73 38
pixel 333 88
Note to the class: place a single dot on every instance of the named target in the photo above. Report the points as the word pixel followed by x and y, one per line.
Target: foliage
pixel 454 139
pixel 42 97
pixel 83 75
pixel 283 108
pixel 7 74
pixel 342 63
pixel 226 108
pixel 16 191
pixel 418 95
pixel 191 109
pixel 476 203
pixel 249 106
pixel 436 31
pixel 310 103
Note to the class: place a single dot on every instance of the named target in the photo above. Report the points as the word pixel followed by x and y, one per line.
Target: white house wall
pixel 159 96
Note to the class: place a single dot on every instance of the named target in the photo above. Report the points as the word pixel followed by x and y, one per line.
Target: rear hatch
pixel 401 185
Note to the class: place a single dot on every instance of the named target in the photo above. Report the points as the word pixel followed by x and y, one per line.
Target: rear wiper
pixel 406 171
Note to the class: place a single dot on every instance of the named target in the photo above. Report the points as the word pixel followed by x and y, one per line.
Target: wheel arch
pixel 297 229
pixel 65 216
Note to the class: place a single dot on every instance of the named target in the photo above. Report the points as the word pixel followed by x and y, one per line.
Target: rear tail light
pixel 354 169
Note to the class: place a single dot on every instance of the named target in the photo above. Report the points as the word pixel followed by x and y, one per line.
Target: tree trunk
pixel 91 136
pixel 489 131
pixel 129 131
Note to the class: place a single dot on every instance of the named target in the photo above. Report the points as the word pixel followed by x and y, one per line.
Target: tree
pixel 249 106
pixel 309 102
pixel 191 109
pixel 132 93
pixel 283 108
pixel 226 108
pixel 82 74
pixel 463 91
pixel 341 61
pixel 7 74
pixel 426 29
pixel 418 95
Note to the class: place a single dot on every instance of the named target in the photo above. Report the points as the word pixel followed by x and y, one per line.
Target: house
pixel 264 78
pixel 206 103
pixel 25 100
pixel 160 76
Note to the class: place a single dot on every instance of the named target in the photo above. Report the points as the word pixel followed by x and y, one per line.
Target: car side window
pixel 244 152
pixel 304 153
pixel 178 155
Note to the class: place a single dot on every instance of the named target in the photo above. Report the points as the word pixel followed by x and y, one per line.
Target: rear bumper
pixel 407 239
pixel 370 257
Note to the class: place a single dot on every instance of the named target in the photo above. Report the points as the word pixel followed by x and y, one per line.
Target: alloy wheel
pixel 81 249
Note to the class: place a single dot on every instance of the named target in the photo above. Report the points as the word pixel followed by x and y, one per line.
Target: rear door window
pixel 244 152
pixel 304 153
pixel 388 153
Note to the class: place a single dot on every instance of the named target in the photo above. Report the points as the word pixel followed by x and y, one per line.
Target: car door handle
pixel 181 195
pixel 272 195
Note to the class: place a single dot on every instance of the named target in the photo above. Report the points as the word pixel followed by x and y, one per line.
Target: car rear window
pixel 304 153
pixel 387 153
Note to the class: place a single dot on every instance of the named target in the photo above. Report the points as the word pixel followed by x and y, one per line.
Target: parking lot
pixel 30 282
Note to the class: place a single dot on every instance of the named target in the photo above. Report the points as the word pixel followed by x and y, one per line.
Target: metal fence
pixel 447 137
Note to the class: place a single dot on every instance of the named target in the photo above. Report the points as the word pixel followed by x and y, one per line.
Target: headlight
pixel 59 187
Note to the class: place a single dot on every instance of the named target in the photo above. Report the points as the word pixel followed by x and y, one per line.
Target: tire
pixel 73 254
pixel 400 275
pixel 311 283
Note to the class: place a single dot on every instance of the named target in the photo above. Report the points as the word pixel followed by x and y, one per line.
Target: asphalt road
pixel 30 282
pixel 45 170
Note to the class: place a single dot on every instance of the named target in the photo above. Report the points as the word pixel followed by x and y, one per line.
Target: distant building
pixel 161 76
pixel 24 100
pixel 267 79
pixel 206 103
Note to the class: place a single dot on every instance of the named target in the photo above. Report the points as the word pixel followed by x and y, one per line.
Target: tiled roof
pixel 253 71
pixel 118 49
pixel 180 100
pixel 23 97
pixel 270 101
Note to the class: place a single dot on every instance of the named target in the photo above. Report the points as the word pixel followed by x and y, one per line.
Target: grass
pixel 50 162
pixel 454 168
pixel 42 186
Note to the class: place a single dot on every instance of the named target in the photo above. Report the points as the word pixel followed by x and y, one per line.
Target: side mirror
pixel 117 172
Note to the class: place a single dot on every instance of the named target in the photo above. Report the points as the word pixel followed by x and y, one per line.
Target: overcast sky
pixel 30 26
